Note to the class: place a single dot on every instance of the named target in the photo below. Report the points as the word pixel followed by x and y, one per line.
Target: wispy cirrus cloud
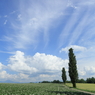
pixel 75 47
pixel 6 16
pixel 79 24
pixel 7 52
pixel 35 19
pixel 5 22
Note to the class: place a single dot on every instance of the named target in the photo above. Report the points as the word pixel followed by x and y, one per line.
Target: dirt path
pixel 81 91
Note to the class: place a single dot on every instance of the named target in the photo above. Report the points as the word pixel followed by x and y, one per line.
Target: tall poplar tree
pixel 72 68
pixel 64 78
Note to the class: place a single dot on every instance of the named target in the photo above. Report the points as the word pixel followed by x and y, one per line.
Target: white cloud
pixel 23 76
pixel 5 22
pixel 46 76
pixel 3 75
pixel 42 67
pixel 75 47
pixel 86 71
pixel 81 73
pixel 2 66
pixel 18 63
pixel 49 62
pixel 37 68
pixel 20 77
pixel 38 65
pixel 6 76
pixel 90 69
pixel 39 62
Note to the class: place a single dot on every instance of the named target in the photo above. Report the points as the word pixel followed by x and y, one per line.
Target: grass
pixel 37 89
pixel 84 86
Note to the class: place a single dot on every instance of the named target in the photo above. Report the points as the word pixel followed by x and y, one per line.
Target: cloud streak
pixel 34 20
pixel 5 22
pixel 80 22
pixel 75 47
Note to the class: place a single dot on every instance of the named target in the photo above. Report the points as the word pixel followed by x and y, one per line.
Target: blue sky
pixel 35 36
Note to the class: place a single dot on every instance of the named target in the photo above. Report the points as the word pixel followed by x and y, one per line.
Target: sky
pixel 35 36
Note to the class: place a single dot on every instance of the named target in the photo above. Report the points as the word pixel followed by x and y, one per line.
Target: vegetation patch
pixel 84 86
pixel 37 89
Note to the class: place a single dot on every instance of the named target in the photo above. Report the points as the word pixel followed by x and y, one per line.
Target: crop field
pixel 84 86
pixel 37 89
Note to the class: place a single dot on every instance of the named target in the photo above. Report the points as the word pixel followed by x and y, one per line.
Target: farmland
pixel 84 86
pixel 37 89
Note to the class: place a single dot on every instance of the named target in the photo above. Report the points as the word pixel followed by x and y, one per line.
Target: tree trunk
pixel 74 85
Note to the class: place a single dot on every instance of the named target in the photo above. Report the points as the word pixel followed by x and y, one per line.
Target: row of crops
pixel 37 89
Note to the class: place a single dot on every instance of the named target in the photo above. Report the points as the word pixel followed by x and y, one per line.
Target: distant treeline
pixel 54 81
pixel 88 80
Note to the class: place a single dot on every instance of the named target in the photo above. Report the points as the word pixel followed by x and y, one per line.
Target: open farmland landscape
pixel 37 89
pixel 47 47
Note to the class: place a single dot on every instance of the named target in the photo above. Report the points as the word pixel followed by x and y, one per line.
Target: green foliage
pixel 45 82
pixel 37 89
pixel 90 80
pixel 72 68
pixel 64 78
pixel 68 81
pixel 81 81
pixel 55 81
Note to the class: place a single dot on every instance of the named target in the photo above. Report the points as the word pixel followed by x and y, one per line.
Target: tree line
pixel 54 81
pixel 88 80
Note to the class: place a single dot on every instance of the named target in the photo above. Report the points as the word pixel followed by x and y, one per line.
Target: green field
pixel 37 89
pixel 84 86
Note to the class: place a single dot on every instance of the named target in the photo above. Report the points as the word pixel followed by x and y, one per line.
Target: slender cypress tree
pixel 72 68
pixel 64 78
